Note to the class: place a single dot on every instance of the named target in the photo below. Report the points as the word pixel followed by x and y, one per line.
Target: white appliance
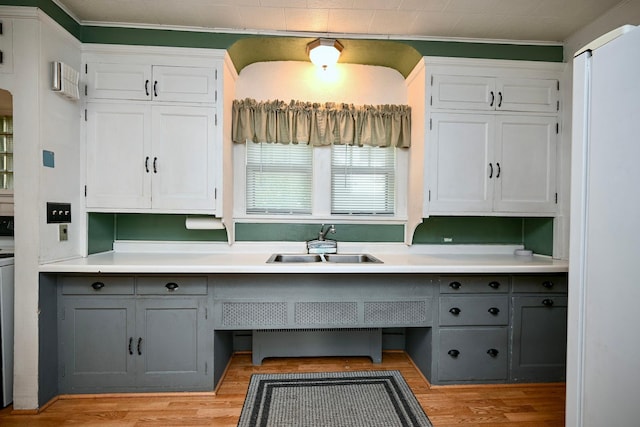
pixel 603 354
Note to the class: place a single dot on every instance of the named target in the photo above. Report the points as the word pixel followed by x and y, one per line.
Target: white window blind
pixel 362 180
pixel 279 178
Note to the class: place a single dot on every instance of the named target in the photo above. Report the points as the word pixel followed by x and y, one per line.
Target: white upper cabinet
pixel 464 92
pixel 461 148
pixel 143 157
pixel 525 164
pixel 491 138
pixel 153 133
pixel 151 82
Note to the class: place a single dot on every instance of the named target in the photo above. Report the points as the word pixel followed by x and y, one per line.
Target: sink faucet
pixel 323 233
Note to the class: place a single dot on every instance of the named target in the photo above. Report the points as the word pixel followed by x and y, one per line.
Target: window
pixel 279 178
pixel 362 180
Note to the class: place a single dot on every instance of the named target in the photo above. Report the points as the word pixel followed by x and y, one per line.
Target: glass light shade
pixel 324 52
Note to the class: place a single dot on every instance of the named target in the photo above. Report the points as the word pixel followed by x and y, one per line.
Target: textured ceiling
pixel 525 20
pixel 368 28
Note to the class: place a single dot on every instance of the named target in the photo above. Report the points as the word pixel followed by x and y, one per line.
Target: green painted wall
pixel 303 232
pixel 534 233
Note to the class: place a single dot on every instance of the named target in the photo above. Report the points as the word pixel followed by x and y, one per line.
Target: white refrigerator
pixel 603 354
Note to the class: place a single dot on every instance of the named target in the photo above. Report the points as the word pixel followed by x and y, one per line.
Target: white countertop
pixel 248 260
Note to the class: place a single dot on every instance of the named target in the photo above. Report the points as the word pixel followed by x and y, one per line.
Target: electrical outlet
pixel 63 232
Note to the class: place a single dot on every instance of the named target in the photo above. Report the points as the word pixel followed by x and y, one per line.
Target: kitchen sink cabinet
pixel 142 157
pixel 158 338
pixel 491 139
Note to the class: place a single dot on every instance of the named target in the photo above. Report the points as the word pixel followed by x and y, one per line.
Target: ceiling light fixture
pixel 324 52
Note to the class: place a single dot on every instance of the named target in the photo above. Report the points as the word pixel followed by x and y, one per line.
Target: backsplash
pixel 534 233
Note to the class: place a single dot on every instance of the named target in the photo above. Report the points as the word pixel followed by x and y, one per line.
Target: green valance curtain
pixel 319 124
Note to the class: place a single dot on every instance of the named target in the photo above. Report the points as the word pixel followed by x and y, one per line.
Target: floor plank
pixel 521 405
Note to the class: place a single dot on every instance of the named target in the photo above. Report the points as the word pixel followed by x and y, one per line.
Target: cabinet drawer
pixel 473 354
pixel 172 285
pixel 474 310
pixel 474 284
pixel 540 283
pixel 97 285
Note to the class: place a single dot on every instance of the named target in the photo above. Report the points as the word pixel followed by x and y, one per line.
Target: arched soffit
pixel 395 55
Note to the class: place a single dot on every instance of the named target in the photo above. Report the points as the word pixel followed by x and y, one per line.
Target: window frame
pixel 321 197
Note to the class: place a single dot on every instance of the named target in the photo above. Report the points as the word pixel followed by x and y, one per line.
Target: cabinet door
pixel 463 92
pixel 531 95
pixel 525 179
pixel 472 354
pixel 174 344
pixel 96 344
pixel 118 166
pixel 539 338
pixel 184 84
pixel 6 45
pixel 183 159
pixel 119 81
pixel 459 164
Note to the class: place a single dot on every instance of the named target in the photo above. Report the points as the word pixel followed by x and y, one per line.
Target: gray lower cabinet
pixel 497 328
pixel 478 354
pixel 472 334
pixel 539 328
pixel 146 333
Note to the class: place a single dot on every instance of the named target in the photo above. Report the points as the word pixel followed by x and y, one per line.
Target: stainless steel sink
pixel 295 258
pixel 351 258
pixel 332 258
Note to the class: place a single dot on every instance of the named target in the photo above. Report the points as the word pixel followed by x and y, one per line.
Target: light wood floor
pixel 539 405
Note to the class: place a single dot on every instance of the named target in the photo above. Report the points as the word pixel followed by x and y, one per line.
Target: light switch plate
pixel 64 232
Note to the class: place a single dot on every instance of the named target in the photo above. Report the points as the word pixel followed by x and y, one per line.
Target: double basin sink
pixel 334 258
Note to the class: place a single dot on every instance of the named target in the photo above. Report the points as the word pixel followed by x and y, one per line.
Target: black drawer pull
pixel 455 285
pixel 139 346
pixel 171 286
pixel 453 353
pixel 547 302
pixel 547 284
pixel 97 286
pixel 455 311
pixel 130 344
pixel 494 285
pixel 146 87
pixel 494 311
pixel 492 352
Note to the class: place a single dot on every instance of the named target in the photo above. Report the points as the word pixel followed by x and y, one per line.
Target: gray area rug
pixel 336 399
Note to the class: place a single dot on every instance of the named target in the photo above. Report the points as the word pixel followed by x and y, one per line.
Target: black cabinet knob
pixel 494 285
pixel 453 353
pixel 494 311
pixel 171 286
pixel 547 284
pixel 97 286
pixel 455 285
pixel 455 311
pixel 547 302
pixel 139 346
pixel 492 352
pixel 130 344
